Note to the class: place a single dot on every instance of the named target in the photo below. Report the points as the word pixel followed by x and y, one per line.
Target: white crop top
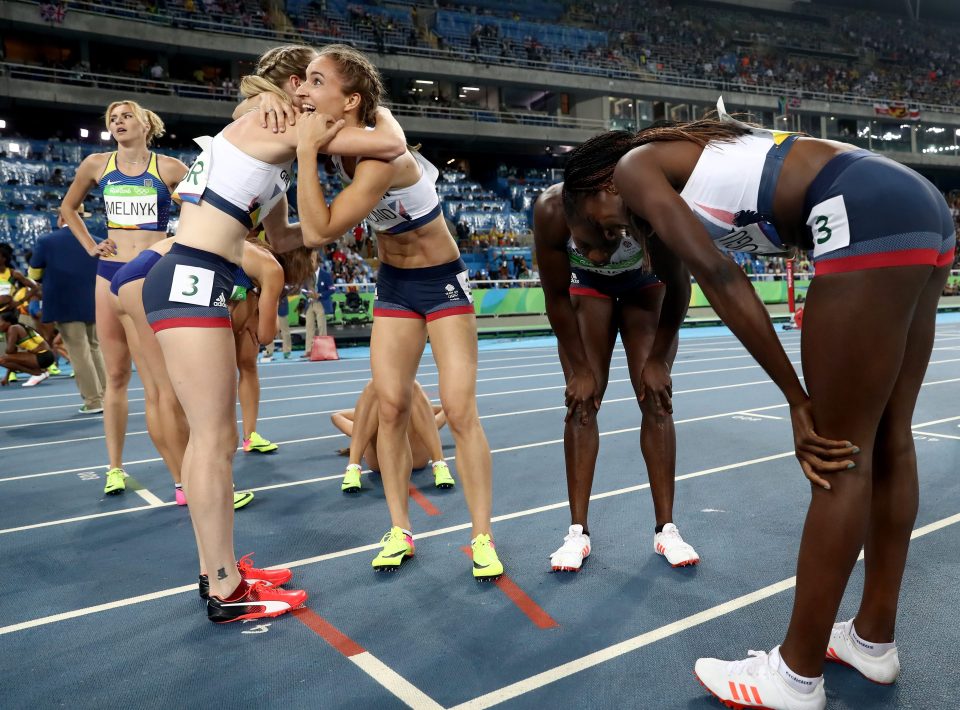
pixel 234 182
pixel 731 188
pixel 402 209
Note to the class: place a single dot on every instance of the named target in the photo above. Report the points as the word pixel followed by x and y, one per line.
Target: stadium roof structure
pixel 928 9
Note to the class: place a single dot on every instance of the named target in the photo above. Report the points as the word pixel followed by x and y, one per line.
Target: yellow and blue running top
pixel 135 202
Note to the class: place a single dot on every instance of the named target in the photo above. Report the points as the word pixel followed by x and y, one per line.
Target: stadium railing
pixel 517 62
pixel 136 85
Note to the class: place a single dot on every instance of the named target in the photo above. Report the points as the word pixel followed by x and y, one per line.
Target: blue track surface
pixel 100 608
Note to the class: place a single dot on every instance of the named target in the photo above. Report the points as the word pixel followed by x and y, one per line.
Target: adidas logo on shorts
pixel 221 301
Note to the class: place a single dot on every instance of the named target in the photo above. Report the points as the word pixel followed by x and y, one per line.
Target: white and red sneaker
pixel 755 682
pixel 251 574
pixel 574 550
pixel 669 544
pixel 845 649
pixel 254 601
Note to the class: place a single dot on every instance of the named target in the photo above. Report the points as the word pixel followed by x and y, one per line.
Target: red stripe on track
pixel 328 632
pixel 421 500
pixel 540 618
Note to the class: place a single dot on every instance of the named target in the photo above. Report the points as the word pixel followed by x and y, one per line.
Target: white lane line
pixel 354 550
pixel 404 690
pixel 338 394
pixel 492 416
pixel 320 479
pixel 609 653
pixel 554 362
pixel 151 499
pixel 936 435
pixel 749 413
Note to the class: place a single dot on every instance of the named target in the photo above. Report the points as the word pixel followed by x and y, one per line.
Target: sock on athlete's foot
pixel 869 647
pixel 796 681
pixel 659 528
pixel 406 532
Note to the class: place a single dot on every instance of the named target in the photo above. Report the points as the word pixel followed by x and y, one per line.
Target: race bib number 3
pixel 191 284
pixel 829 226
pixel 464 286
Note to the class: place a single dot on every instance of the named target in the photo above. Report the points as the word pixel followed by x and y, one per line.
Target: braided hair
pixel 591 165
pixel 274 67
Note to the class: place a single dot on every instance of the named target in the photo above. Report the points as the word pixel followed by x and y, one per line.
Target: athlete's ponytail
pixel 274 68
pixel 150 121
pixel 299 265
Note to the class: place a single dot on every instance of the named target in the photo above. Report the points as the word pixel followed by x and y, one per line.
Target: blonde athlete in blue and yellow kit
pixel 137 184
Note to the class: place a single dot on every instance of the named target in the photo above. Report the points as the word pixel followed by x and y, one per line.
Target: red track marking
pixel 328 632
pixel 534 611
pixel 421 500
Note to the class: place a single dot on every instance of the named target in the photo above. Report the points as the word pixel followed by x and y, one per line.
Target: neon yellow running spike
pixel 115 483
pixel 486 564
pixel 351 479
pixel 397 546
pixel 258 444
pixel 241 498
pixel 54 370
pixel 12 377
pixel 441 475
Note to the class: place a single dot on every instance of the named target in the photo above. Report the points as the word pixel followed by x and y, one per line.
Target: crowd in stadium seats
pixel 850 52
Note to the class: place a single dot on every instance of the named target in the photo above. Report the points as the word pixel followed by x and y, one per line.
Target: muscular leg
pixel 893 508
pixel 581 442
pixel 854 342
pixel 168 418
pixel 454 343
pixel 658 438
pixel 116 358
pixel 209 396
pixel 247 349
pixel 425 442
pixel 363 438
pixel 152 413
pixel 396 346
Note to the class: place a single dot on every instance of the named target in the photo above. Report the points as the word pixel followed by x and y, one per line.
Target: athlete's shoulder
pixel 549 219
pixel 171 169
pixel 95 162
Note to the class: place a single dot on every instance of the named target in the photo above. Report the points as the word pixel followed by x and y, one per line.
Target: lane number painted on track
pixel 88 476
pixel 258 629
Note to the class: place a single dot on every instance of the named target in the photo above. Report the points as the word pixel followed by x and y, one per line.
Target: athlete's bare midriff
pixel 130 242
pixel 205 227
pixel 430 245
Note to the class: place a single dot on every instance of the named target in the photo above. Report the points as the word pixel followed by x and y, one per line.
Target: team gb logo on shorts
pixel 451 292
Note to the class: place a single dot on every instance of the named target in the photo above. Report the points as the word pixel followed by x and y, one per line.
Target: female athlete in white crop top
pixel 881 234
pixel 185 300
pixel 421 290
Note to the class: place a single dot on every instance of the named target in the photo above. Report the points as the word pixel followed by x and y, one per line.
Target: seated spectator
pixel 26 350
